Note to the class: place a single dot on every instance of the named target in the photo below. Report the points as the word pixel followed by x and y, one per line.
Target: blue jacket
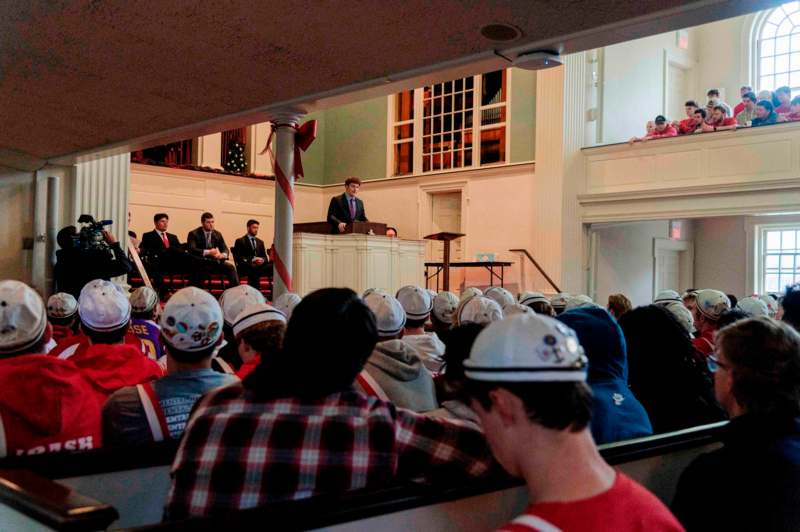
pixel 751 483
pixel 616 414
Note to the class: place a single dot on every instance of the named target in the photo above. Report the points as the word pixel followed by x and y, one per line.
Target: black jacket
pixel 75 267
pixel 751 483
pixel 339 212
pixel 243 252
pixel 196 241
pixel 152 244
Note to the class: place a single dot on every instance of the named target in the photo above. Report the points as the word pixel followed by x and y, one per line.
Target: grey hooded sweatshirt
pixel 397 368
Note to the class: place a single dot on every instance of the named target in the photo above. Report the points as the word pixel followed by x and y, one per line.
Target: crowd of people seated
pixel 334 392
pixel 765 108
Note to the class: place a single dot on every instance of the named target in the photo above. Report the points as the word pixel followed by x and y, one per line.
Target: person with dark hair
pixel 158 410
pixel 618 304
pixel 714 100
pixel 537 302
pixel 208 244
pixel 719 120
pixel 733 300
pixel 687 125
pixel 258 332
pixel 661 129
pixel 731 316
pixel 744 90
pixel 765 114
pixel 616 413
pixel 46 405
pixel 107 352
pixel 784 96
pixel 791 306
pixel 660 354
pixel 755 477
pixel 162 252
pixel 77 264
pixel 526 380
pixel 250 255
pixel 745 117
pixel 346 208
pixel 391 232
pixel 315 433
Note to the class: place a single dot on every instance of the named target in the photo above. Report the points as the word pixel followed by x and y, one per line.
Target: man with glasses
pixel 753 481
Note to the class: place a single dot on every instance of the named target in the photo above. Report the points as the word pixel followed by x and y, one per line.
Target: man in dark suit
pixel 346 208
pixel 251 256
pixel 207 243
pixel 162 252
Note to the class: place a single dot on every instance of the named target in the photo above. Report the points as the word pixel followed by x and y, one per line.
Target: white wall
pixel 633 83
pixel 720 254
pixel 16 204
pixel 625 259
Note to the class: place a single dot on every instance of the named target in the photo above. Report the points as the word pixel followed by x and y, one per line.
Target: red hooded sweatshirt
pixel 110 367
pixel 78 343
pixel 63 414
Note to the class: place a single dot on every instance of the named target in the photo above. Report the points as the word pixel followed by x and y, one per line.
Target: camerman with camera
pixel 88 254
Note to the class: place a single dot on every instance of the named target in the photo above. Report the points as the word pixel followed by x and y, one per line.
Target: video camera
pixel 91 235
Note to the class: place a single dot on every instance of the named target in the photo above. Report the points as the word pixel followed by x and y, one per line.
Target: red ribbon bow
pixel 304 137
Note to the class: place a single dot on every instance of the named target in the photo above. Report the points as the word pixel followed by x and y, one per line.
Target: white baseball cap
pixel 192 320
pixel 23 318
pixel 666 296
pixel 681 313
pixel 712 303
pixel 444 307
pixel 500 295
pixel 478 309
pixel 368 291
pixel 516 308
pixel 527 348
pixel 527 298
pixel 286 303
pixel 559 301
pixel 431 293
pixel 255 314
pixel 143 299
pixel 753 306
pixel 389 314
pixel 470 291
pixel 234 300
pixel 103 306
pixel 61 305
pixel 771 304
pixel 581 300
pixel 416 302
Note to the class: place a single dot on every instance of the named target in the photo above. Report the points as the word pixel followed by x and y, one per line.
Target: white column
pixel 285 125
pixel 101 189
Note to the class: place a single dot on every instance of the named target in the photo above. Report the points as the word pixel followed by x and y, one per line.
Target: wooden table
pixel 490 266
pixel 444 237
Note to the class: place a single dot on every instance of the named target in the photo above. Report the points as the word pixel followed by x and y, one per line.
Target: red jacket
pixel 704 343
pixel 46 406
pixel 62 332
pixel 738 109
pixel 687 126
pixel 669 131
pixel 65 348
pixel 248 367
pixel 110 367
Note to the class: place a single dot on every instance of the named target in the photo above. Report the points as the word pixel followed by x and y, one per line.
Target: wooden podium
pixel 324 228
pixel 446 238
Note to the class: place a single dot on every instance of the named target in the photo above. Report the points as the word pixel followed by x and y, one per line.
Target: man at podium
pixel 346 208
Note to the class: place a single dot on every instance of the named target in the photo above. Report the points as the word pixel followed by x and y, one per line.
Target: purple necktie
pixel 353 209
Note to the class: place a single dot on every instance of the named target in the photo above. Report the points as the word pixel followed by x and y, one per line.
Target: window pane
pixel 426 144
pixel 467 157
pixel 785 27
pixel 493 116
pixel 767 47
pixel 494 87
pixel 769 30
pixel 777 16
pixel 781 80
pixel 405 131
pixel 785 280
pixel 790 7
pixel 493 145
pixel 767 66
pixel 773 240
pixel 787 240
pixel 426 163
pixel 403 157
pixel 771 283
pixel 787 262
pixel 794 61
pixel 766 83
pixel 404 103
pixel 782 45
pixel 781 64
pixel 771 262
pixel 795 41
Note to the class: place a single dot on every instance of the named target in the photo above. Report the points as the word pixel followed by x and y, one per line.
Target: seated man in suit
pixel 207 243
pixel 346 208
pixel 162 251
pixel 251 256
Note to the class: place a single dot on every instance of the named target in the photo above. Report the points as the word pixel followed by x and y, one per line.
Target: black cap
pixel 660 119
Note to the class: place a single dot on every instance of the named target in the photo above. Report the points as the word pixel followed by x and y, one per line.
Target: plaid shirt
pixel 240 451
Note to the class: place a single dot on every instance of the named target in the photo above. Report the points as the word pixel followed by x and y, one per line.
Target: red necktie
pixel 164 240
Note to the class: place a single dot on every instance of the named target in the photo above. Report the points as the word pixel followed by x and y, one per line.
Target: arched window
pixel 778 48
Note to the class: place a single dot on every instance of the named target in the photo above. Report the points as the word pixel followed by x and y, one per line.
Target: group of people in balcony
pixel 762 109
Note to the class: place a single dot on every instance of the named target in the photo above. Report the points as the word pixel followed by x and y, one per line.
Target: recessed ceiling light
pixel 500 32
